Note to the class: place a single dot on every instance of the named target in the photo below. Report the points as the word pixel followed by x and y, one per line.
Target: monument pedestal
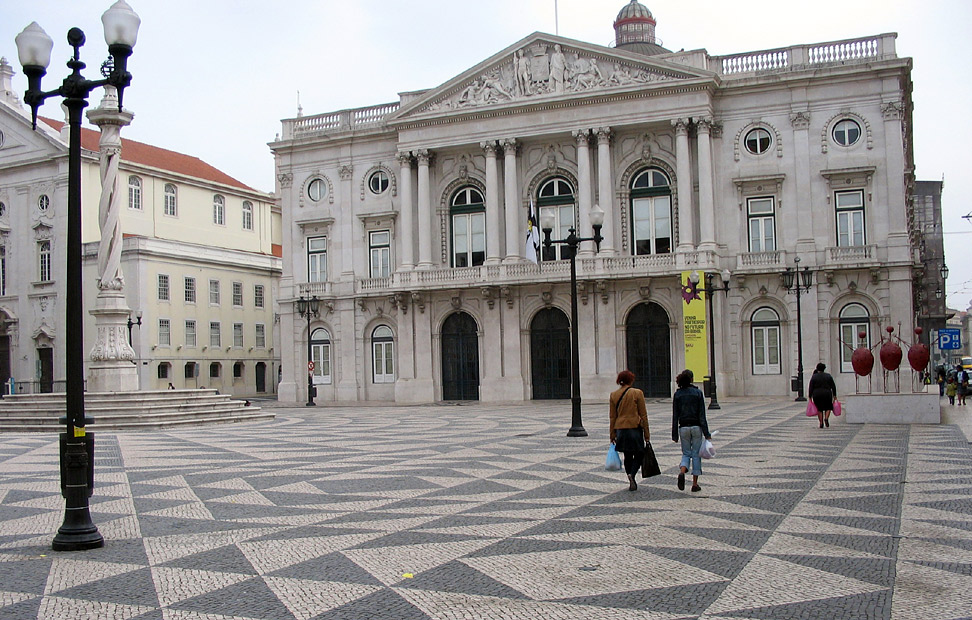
pixel 112 367
pixel 921 408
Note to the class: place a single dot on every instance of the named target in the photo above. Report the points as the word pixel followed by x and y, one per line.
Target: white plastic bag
pixel 707 451
pixel 613 461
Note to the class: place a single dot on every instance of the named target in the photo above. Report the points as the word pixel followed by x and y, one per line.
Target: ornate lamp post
pixel 307 308
pixel 572 241
pixel 131 324
pixel 709 289
pixel 800 282
pixel 34 50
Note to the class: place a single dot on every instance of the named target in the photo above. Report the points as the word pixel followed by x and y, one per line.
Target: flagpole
pixel 556 19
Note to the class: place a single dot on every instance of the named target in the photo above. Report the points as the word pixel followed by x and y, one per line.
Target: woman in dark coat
pixel 690 427
pixel 822 391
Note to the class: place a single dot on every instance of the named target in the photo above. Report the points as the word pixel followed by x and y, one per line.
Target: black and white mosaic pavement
pixel 487 511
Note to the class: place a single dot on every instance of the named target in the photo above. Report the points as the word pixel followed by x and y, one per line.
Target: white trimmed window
pixel 214 335
pixel 171 203
pixel 854 320
pixel 379 242
pixel 260 336
pixel 383 354
pixel 378 182
pixel 3 270
pixel 190 333
pixel 850 218
pixel 238 294
pixel 321 354
pixel 317 259
pixel 846 132
pixel 468 228
pixel 258 296
pixel 556 197
pixel 762 224
pixel 247 215
pixel 165 337
pixel 190 290
pixel 214 292
pixel 238 335
pixel 758 141
pixel 44 261
pixel 651 211
pixel 316 190
pixel 219 210
pixel 134 193
pixel 163 287
pixel 766 342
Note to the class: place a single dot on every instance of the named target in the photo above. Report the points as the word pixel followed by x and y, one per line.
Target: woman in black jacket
pixel 689 426
pixel 822 391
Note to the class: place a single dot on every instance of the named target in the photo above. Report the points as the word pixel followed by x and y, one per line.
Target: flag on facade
pixel 533 235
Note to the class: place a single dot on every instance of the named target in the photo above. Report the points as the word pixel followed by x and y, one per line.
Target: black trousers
pixel 631 441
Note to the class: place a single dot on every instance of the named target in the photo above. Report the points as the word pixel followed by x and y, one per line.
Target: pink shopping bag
pixel 836 407
pixel 811 409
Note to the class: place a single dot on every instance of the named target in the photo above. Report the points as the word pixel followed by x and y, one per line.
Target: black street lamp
pixel 307 308
pixel 709 289
pixel 34 50
pixel 572 241
pixel 131 324
pixel 798 281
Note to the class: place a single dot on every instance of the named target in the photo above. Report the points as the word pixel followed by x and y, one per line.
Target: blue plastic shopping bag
pixel 613 461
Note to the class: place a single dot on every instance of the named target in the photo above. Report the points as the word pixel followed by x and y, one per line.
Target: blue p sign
pixel 950 338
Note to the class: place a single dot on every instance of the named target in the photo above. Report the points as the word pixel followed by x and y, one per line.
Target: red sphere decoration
pixel 862 334
pixel 889 329
pixel 890 356
pixel 918 331
pixel 863 361
pixel 918 356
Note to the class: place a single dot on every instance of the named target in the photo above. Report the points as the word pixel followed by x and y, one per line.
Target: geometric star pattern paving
pixel 490 511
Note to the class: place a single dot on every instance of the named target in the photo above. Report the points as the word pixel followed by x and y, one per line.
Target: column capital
pixel 582 136
pixel 404 158
pixel 704 124
pixel 681 126
pixel 510 146
pixel 423 156
pixel 604 135
pixel 489 147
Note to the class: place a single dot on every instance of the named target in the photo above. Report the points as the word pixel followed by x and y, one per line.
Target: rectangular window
pixel 44 260
pixel 383 356
pixel 762 224
pixel 468 239
pixel 163 287
pixel 563 222
pixel 190 333
pixel 850 218
pixel 766 350
pixel 169 205
pixel 317 259
pixel 652 224
pixel 219 210
pixel 321 354
pixel 190 290
pixel 850 339
pixel 214 339
pixel 238 294
pixel 379 242
pixel 238 335
pixel 261 336
pixel 258 296
pixel 247 215
pixel 214 292
pixel 191 370
pixel 3 270
pixel 164 335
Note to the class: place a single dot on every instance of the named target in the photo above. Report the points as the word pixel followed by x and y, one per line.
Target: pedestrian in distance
pixel 822 391
pixel 940 379
pixel 689 427
pixel 629 424
pixel 951 389
pixel 962 376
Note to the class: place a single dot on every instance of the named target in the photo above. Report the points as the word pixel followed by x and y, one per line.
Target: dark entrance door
pixel 649 346
pixel 261 377
pixel 460 358
pixel 46 358
pixel 550 354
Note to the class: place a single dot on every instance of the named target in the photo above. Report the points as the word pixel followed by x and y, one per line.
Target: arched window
pixel 321 354
pixel 383 354
pixel 134 192
pixel 238 370
pixel 766 342
pixel 219 210
pixel 854 319
pixel 651 212
pixel 170 207
pixel 247 215
pixel 556 197
pixel 468 228
pixel 164 370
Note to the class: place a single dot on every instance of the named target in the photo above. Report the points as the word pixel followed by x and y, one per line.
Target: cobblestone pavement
pixel 486 511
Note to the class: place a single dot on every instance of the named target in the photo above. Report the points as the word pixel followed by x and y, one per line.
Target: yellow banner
pixel 694 327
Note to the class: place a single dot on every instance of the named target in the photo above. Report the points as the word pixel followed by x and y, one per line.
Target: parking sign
pixel 950 338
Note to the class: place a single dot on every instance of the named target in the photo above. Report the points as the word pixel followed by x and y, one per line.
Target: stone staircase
pixel 126 411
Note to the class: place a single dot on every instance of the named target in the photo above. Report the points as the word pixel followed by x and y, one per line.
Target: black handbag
pixel 649 465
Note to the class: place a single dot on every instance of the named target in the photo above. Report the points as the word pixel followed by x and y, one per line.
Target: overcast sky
pixel 213 78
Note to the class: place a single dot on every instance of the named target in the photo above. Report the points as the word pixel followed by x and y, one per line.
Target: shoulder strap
pixel 622 396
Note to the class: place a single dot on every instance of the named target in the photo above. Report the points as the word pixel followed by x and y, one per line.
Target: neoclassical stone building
pixel 408 220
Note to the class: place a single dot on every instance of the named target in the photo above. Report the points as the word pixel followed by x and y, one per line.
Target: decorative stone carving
pixel 456 302
pixel 286 179
pixel 392 179
pixel 345 170
pixel 541 69
pixel 800 119
pixel 510 146
pixel 601 287
pixel 507 294
pixel 546 297
pixel 892 110
pixel 863 122
pixel 489 148
pixel 645 290
pixel 418 302
pixel 489 294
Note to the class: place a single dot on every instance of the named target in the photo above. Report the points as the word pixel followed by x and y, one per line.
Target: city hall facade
pixel 408 221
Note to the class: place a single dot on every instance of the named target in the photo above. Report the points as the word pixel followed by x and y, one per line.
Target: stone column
pixel 347 223
pixel 706 196
pixel 511 203
pixel 605 190
pixel 492 204
pixel 895 114
pixel 683 168
pixel 113 367
pixel 424 210
pixel 584 192
pixel 408 213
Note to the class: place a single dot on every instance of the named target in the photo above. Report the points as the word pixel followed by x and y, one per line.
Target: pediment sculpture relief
pixel 540 69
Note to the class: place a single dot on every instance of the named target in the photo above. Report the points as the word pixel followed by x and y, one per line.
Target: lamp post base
pixel 577 431
pixel 77 538
pixel 576 426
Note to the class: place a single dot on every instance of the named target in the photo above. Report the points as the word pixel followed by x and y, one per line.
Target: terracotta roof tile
pixel 148 155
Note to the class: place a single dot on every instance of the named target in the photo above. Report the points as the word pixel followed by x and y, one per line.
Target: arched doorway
pixel 460 358
pixel 550 354
pixel 261 377
pixel 648 342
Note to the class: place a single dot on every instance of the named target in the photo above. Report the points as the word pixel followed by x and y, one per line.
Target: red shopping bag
pixel 836 407
pixel 811 409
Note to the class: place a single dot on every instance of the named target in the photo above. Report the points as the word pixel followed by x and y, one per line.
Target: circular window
pixel 3 209
pixel 43 202
pixel 758 141
pixel 316 190
pixel 847 132
pixel 378 182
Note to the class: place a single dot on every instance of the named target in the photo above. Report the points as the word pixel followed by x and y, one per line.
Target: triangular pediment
pixel 21 142
pixel 543 68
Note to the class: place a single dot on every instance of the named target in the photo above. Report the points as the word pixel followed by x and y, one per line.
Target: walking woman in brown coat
pixel 629 424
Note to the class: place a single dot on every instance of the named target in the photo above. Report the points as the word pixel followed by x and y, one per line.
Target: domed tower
pixel 634 30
